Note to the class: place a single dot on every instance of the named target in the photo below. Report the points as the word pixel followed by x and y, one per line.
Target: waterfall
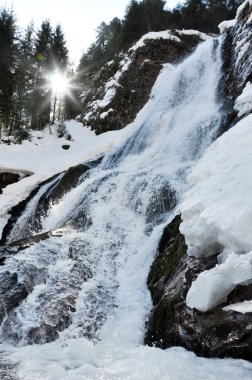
pixel 90 282
pixel 111 221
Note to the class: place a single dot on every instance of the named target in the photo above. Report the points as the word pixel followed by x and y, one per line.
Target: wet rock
pixel 12 293
pixel 237 66
pixel 7 179
pixel 216 333
pixel 64 183
pixel 52 304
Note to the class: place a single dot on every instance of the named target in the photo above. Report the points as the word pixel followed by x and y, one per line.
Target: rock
pixel 135 84
pixel 7 179
pixel 64 183
pixel 65 147
pixel 237 66
pixel 216 333
pixel 55 305
pixel 12 293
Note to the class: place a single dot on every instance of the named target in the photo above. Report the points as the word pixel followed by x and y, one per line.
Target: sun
pixel 59 83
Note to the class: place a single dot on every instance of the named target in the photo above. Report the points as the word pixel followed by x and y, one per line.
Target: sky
pixel 78 18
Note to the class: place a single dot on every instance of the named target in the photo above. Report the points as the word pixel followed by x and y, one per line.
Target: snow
pixel 241 307
pixel 243 103
pixel 213 286
pixel 225 25
pixel 103 115
pixel 166 35
pixel 217 215
pixel 170 123
pixel 82 360
pixel 44 157
pixel 242 6
pixel 192 32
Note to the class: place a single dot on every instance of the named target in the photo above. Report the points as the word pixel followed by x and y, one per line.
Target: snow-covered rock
pixel 241 307
pixel 243 103
pixel 124 84
pixel 217 215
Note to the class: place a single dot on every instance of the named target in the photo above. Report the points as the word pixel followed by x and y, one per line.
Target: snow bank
pixel 217 215
pixel 242 307
pixel 44 157
pixel 192 32
pixel 213 286
pixel 226 25
pixel 243 103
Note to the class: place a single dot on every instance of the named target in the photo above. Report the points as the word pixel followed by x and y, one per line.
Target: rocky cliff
pixel 113 96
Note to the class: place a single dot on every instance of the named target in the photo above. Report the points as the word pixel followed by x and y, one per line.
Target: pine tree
pixel 134 24
pixel 24 81
pixel 58 51
pixel 8 52
pixel 42 93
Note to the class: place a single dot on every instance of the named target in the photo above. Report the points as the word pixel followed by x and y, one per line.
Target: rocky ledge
pixel 216 333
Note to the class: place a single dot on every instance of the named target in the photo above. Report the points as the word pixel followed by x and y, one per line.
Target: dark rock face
pixel 136 82
pixel 216 333
pixel 12 293
pixel 237 66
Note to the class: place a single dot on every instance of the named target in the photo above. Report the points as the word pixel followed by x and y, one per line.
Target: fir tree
pixel 24 81
pixel 42 93
pixel 58 50
pixel 8 55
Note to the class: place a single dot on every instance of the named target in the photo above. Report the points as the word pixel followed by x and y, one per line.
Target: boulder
pixel 216 333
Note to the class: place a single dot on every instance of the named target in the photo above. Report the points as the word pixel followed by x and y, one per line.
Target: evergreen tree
pixel 58 50
pixel 8 53
pixel 134 24
pixel 42 93
pixel 24 80
pixel 154 14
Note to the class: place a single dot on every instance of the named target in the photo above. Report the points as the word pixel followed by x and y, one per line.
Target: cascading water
pixel 91 281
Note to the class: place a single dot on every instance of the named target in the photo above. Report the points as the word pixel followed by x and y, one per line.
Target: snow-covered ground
pixel 44 157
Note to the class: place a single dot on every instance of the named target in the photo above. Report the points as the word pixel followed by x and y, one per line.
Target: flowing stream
pixel 87 281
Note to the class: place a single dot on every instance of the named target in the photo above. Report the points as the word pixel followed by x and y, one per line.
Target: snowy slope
pixel 44 157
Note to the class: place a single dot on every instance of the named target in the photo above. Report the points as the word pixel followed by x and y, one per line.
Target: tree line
pixel 27 59
pixel 150 15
